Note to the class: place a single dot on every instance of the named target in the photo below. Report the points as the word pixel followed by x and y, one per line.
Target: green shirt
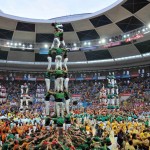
pixel 5 146
pixel 59 95
pixel 59 51
pixel 47 75
pixel 58 34
pixel 60 121
pixel 110 86
pixel 10 136
pixel 59 72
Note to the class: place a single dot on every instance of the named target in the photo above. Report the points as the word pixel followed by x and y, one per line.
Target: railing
pixel 80 62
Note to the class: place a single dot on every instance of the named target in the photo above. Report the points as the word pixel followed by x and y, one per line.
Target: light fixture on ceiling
pixel 89 43
pixel 85 43
pixel 74 44
pixel 125 36
pixel 103 41
pixel 46 45
pixel 30 45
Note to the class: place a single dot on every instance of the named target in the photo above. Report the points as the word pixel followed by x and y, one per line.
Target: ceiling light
pixel 11 44
pixel 30 46
pixel 7 43
pixel 74 44
pixel 85 43
pixel 19 44
pixel 46 46
pixel 124 36
pixel 89 43
pixel 103 41
pixel 15 44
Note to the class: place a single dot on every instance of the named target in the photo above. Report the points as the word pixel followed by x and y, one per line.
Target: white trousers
pixel 66 80
pixel 55 85
pixel 49 62
pixel 67 126
pixel 65 63
pixel 60 106
pixel 109 101
pixel 104 100
pixel 108 91
pixel 112 91
pixel 47 107
pixel 59 84
pixel 56 43
pixel 63 43
pixel 67 105
pixel 117 101
pixel 58 61
pixel 47 81
pixel 113 101
pixel 27 102
pixel 117 92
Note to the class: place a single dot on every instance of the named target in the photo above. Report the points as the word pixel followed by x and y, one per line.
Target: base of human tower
pixel 113 101
pixel 112 107
pixel 58 122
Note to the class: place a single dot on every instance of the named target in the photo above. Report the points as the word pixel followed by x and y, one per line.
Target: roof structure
pixel 125 16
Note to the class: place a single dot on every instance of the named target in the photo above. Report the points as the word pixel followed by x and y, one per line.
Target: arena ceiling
pixel 124 16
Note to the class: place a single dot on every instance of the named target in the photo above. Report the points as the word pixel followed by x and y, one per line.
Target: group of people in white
pixel 109 96
pixel 3 94
pixel 24 96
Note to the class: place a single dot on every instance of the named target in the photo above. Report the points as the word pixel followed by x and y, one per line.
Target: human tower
pixel 112 92
pixel 109 97
pixel 60 74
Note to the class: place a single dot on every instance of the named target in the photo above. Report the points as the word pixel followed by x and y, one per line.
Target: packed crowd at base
pixel 99 129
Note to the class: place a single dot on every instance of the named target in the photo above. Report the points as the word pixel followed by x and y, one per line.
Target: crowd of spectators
pixel 139 88
pixel 92 128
